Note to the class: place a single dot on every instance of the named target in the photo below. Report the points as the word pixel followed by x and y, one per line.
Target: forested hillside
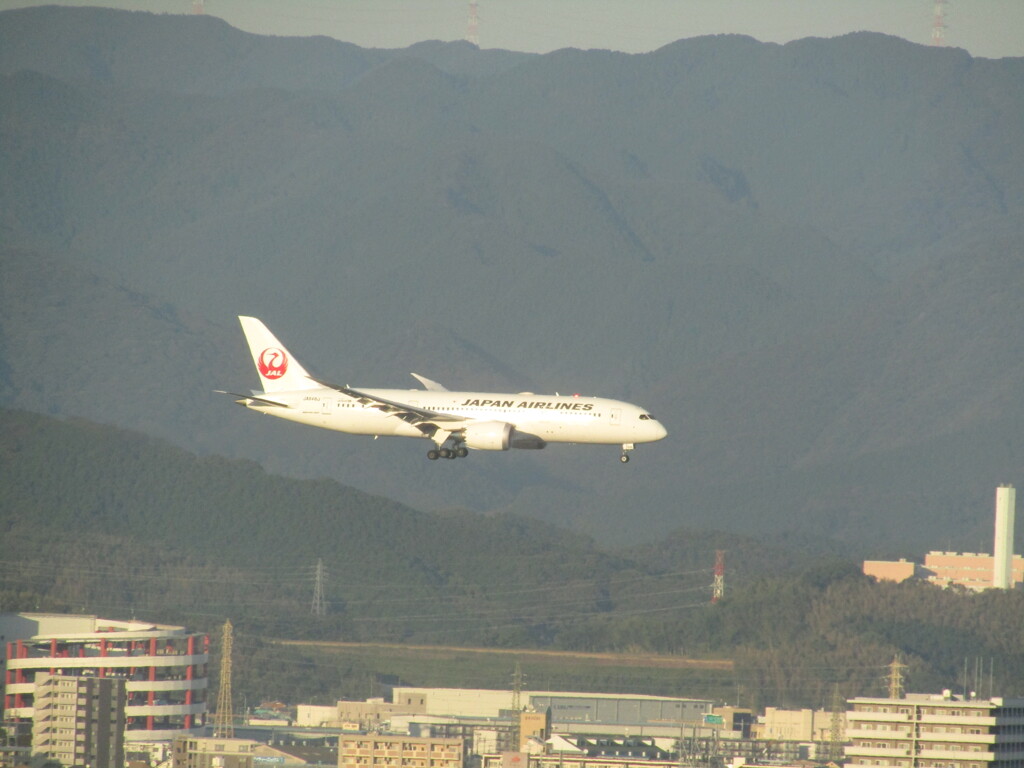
pixel 96 519
pixel 804 259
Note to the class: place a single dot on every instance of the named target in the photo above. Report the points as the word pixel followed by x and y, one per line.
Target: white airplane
pixel 454 421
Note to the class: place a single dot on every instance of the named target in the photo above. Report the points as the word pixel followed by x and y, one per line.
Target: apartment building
pixel 376 750
pixel 935 731
pixel 79 720
pixel 188 751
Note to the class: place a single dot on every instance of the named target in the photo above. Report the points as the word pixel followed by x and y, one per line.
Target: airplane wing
pixel 424 420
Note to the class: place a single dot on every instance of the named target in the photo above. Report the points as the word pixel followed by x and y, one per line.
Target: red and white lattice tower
pixel 197 7
pixel 473 25
pixel 939 23
pixel 718 585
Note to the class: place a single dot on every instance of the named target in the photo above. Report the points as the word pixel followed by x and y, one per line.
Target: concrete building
pixel 935 731
pixel 319 716
pixel 1001 570
pixel 568 760
pixel 377 750
pixel 79 720
pixel 190 751
pixel 164 668
pixel 567 708
pixel 795 725
pixel 964 569
pixel 971 570
pixel 533 725
pixel 893 570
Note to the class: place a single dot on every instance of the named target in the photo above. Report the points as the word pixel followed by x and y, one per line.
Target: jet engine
pixel 489 436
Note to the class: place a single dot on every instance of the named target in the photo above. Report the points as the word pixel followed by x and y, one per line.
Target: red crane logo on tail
pixel 272 363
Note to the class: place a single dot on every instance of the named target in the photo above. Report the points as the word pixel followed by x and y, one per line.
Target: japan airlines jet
pixel 455 421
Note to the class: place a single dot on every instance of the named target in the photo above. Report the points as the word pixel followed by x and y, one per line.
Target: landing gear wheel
pixel 444 453
pixel 624 458
pixel 462 451
pixel 433 455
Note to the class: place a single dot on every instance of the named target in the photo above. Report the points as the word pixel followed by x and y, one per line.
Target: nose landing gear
pixel 626 448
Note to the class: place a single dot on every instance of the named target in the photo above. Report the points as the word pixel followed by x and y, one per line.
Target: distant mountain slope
pixel 804 259
pixel 67 481
pixel 94 518
pixel 201 54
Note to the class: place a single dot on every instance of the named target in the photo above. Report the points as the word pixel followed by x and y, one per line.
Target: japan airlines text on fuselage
pixel 455 421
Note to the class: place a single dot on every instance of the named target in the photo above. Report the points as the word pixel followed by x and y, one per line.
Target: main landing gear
pixel 626 448
pixel 458 452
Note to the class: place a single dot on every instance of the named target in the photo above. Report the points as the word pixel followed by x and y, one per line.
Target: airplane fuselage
pixel 456 422
pixel 550 418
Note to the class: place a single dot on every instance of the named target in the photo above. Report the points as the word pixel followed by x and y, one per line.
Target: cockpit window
pixel 646 416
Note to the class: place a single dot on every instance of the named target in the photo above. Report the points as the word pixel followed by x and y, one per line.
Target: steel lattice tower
pixel 319 603
pixel 939 23
pixel 835 744
pixel 473 25
pixel 718 586
pixel 517 707
pixel 896 677
pixel 223 720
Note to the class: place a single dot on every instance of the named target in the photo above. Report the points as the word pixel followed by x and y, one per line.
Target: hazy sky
pixel 989 28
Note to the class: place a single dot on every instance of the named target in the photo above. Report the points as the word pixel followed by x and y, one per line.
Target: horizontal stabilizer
pixel 242 399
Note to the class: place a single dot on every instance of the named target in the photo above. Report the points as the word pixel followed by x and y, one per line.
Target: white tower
pixel 1002 565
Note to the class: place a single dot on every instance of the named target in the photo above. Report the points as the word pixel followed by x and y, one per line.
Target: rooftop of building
pixel 66 626
pixel 944 697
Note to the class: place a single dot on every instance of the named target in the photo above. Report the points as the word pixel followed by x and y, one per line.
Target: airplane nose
pixel 659 431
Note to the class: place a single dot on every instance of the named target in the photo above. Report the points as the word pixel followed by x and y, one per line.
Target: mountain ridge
pixel 802 258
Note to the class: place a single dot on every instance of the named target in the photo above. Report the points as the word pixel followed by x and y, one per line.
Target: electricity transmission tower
pixel 835 744
pixel 223 720
pixel 319 603
pixel 896 677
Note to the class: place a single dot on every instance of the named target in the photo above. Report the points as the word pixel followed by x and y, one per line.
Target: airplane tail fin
pixel 278 370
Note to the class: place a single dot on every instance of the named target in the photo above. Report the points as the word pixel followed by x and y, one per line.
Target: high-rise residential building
pixel 935 731
pixel 79 720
